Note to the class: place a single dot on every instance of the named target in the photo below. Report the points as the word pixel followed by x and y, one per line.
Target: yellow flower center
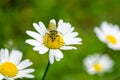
pixel 111 39
pixel 8 69
pixel 53 41
pixel 97 67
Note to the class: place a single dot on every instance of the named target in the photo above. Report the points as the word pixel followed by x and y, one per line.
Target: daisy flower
pixel 11 66
pixel 109 34
pixel 98 64
pixel 54 39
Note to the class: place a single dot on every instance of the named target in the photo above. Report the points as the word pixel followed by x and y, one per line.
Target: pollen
pixel 53 43
pixel 111 39
pixel 8 69
pixel 97 67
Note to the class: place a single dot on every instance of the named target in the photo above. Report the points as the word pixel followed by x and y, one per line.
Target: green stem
pixel 45 73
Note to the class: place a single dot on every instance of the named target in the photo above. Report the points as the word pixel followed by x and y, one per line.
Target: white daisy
pixel 109 34
pixel 54 38
pixel 98 64
pixel 11 66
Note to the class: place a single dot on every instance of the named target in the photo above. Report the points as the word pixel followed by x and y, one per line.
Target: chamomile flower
pixel 11 66
pixel 109 34
pixel 54 39
pixel 98 64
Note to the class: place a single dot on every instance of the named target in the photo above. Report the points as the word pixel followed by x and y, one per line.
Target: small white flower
pixel 54 38
pixel 109 34
pixel 98 64
pixel 11 66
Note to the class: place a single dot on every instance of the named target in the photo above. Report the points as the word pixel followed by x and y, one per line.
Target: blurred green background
pixel 17 16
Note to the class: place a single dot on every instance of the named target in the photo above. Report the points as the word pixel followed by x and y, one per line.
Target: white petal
pixel 70 30
pixel 100 34
pixel 55 53
pixel 58 55
pixel 24 64
pixel 40 28
pixel 108 27
pixel 72 41
pixel 51 57
pixel 41 48
pixel 63 27
pixel 68 48
pixel 114 46
pixel 106 62
pixel 4 54
pixel 33 42
pixel 15 56
pixel 53 21
pixel 21 75
pixel 71 35
pixel 89 61
pixel 35 35
pixel 1 77
pixel 25 73
pixel 91 70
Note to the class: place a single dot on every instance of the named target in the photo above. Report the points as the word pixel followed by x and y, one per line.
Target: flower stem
pixel 45 73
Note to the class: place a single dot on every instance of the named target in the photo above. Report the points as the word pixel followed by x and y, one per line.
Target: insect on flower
pixel 53 37
pixel 57 37
pixel 53 31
